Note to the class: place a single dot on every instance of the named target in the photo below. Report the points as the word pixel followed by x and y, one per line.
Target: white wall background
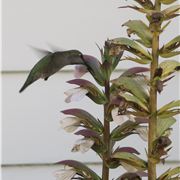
pixel 30 121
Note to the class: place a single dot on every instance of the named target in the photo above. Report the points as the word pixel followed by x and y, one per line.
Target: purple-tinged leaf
pixel 135 70
pixel 94 67
pixel 127 149
pixel 93 92
pixel 86 118
pixel 142 119
pixel 87 133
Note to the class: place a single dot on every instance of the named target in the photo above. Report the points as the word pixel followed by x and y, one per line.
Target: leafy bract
pixel 168 67
pixel 141 30
pixel 93 92
pixel 133 86
pixel 168 106
pixel 81 169
pixel 168 50
pixel 163 124
pixel 170 109
pixel 131 159
pixel 168 175
pixel 131 46
pixel 171 12
pixel 167 1
pixel 134 99
pixel 138 60
pixel 86 118
pixel 124 130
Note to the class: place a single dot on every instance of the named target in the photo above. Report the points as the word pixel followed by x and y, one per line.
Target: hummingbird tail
pixel 28 82
pixel 23 88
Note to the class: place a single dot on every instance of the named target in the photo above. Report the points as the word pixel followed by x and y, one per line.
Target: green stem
pixel 153 110
pixel 153 100
pixel 106 135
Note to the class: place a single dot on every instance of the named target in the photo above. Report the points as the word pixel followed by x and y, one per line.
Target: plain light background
pixel 30 121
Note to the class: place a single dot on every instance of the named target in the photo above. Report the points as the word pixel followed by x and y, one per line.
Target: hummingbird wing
pixel 51 64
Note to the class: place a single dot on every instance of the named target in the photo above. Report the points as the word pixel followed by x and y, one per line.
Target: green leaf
pixel 170 54
pixel 133 86
pixel 168 49
pixel 167 1
pixel 169 173
pixel 164 124
pixel 169 67
pixel 138 60
pixel 165 26
pixel 169 113
pixel 131 159
pixel 141 30
pixel 134 99
pixel 168 106
pixel 141 10
pixel 124 130
pixel 87 119
pixel 170 12
pixel 131 46
pixel 81 169
pixel 93 92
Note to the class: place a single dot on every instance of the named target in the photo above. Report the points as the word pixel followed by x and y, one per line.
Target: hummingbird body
pixel 52 63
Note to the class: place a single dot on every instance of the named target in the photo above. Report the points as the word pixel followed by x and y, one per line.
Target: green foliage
pixel 133 93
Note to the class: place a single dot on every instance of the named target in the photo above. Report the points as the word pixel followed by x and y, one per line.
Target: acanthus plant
pixel 130 100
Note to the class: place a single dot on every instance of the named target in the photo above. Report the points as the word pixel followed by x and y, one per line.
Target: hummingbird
pixel 52 63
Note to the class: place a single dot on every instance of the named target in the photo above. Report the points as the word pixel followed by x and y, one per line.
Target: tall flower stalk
pixel 129 100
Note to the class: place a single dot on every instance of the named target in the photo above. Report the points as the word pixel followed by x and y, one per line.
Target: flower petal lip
pixel 65 174
pixel 80 70
pixel 143 132
pixel 83 145
pixel 70 124
pixel 120 119
pixel 128 167
pixel 75 94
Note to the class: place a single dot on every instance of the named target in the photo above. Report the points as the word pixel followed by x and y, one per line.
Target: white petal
pixel 80 70
pixel 70 124
pixel 75 94
pixel 79 95
pixel 71 91
pixel 70 129
pixel 120 119
pixel 65 174
pixel 128 167
pixel 83 145
pixel 143 132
